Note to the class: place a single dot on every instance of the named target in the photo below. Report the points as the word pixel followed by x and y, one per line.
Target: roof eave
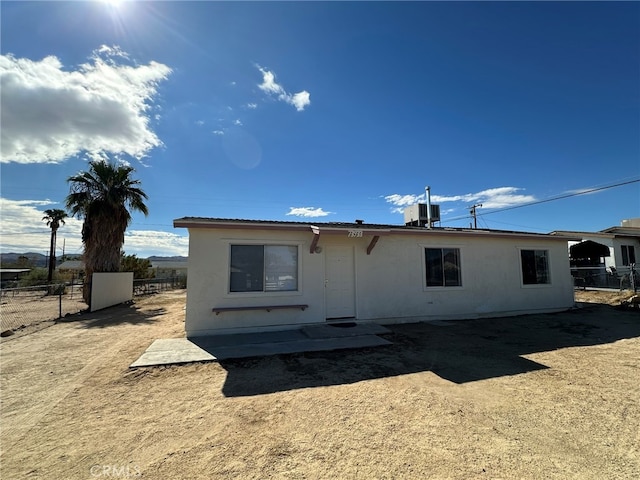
pixel 317 228
pixel 234 224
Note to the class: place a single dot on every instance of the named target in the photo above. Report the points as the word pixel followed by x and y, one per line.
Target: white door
pixel 339 283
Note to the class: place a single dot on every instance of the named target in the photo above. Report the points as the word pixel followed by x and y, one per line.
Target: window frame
pixel 264 292
pixel 549 282
pixel 625 249
pixel 447 288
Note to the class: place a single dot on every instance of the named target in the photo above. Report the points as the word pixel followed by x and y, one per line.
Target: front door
pixel 339 283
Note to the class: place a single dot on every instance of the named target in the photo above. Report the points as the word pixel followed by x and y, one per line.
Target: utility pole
pixel 473 214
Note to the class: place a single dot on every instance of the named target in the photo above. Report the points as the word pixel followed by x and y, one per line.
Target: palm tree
pixel 103 196
pixel 54 217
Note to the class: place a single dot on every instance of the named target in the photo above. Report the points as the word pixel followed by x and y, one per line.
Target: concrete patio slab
pixel 441 323
pixel 224 347
pixel 344 330
pixel 235 339
pixel 168 351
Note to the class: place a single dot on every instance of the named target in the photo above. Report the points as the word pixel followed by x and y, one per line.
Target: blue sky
pixel 323 111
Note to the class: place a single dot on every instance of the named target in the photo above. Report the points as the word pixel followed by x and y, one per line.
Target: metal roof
pixel 71 265
pixel 623 231
pixel 610 232
pixel 370 228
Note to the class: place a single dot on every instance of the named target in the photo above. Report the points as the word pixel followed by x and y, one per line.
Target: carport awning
pixel 588 249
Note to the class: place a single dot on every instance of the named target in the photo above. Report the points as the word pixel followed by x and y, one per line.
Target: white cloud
pixel 218 132
pixel 145 243
pixel 23 230
pixel 199 122
pixel 111 51
pixel 403 200
pixel 307 212
pixel 252 106
pixel 50 114
pixel 237 122
pixel 269 85
pixel 500 197
pixel 300 100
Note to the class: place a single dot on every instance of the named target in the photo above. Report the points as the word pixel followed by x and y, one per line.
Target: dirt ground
pixel 27 309
pixel 535 397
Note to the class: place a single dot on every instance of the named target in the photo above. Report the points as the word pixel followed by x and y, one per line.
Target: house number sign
pixel 354 234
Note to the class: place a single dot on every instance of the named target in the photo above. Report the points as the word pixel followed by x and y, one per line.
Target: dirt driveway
pixel 543 396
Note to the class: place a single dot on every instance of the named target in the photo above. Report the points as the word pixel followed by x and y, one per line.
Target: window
pixel 443 267
pixel 535 267
pixel 263 268
pixel 628 255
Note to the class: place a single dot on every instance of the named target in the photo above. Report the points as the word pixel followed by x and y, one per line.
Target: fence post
pixel 60 302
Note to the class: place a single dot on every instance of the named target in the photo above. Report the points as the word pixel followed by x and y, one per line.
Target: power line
pixel 552 199
pixel 568 195
pixel 528 227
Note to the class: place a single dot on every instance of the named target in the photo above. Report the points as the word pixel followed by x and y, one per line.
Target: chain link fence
pixel 25 306
pixel 150 286
pixel 624 278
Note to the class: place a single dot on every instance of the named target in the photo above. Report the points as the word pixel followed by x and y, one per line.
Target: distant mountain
pixel 40 260
pixel 167 259
pixel 34 259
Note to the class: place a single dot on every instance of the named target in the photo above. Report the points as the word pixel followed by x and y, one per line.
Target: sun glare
pixel 113 3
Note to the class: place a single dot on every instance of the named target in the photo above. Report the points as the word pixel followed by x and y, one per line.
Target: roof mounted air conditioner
pixel 417 215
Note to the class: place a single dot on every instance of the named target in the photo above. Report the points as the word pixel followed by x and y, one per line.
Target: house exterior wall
pixel 208 284
pixel 491 280
pixel 618 242
pixel 390 283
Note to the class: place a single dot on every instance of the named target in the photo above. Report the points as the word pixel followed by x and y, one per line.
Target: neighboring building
pixel 74 267
pixel 255 275
pixel 9 277
pixel 169 269
pixel 623 244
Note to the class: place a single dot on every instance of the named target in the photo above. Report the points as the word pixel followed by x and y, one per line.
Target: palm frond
pixel 103 196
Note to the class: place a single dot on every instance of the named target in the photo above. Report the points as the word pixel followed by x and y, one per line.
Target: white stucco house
pixel 251 275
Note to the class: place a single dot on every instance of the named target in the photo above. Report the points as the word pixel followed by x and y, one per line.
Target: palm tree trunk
pixel 52 256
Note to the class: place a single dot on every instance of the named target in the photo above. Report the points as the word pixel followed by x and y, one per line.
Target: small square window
pixel 442 267
pixel 263 268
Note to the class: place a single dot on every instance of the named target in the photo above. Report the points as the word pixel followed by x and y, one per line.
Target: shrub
pixel 37 276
